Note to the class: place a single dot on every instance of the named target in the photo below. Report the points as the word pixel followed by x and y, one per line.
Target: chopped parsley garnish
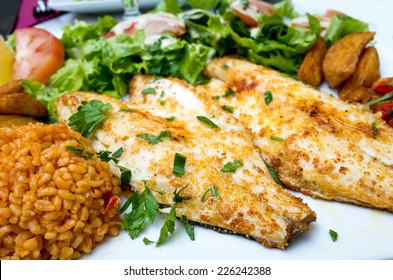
pixel 144 207
pixel 333 235
pixel 189 228
pixel 207 121
pixel 374 126
pixel 178 164
pixel 229 92
pixel 170 119
pixel 232 166
pixel 382 98
pixel 80 151
pixel 217 97
pixel 273 173
pixel 152 139
pixel 148 91
pixel 225 67
pixel 162 103
pixel 213 191
pixel 89 117
pixel 245 4
pixel 125 110
pixel 276 138
pixel 108 156
pixel 177 198
pixel 147 241
pixel 227 108
pixel 268 97
pixel 125 175
pixel 168 227
pixel 162 94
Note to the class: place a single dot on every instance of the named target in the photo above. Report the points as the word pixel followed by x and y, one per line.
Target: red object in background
pixel 26 14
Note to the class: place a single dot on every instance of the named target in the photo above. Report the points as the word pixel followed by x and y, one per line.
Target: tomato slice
pixel 39 55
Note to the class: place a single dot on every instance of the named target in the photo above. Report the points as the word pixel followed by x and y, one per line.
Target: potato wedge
pixel 366 73
pixel 11 87
pixel 310 72
pixel 359 94
pixel 10 120
pixel 341 58
pixel 21 104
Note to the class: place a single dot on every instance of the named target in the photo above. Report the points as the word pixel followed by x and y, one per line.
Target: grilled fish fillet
pixel 239 210
pixel 329 148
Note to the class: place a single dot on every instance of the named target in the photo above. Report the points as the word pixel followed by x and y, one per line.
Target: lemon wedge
pixel 7 58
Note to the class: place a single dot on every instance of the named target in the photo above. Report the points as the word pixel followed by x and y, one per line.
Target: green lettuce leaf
pixel 168 6
pixel 203 4
pixel 343 25
pixel 287 9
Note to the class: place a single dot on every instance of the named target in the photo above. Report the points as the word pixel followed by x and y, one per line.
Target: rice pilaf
pixel 53 202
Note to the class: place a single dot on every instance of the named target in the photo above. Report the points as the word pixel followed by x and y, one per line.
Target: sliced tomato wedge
pixel 39 55
pixel 383 86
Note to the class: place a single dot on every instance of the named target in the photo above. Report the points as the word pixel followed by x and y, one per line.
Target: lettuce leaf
pixel 341 26
pixel 287 9
pixel 168 6
pixel 203 4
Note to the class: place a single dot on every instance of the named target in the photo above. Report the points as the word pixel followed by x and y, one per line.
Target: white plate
pixel 363 233
pixel 94 6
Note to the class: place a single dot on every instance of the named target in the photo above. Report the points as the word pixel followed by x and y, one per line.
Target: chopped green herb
pixel 148 91
pixel 223 153
pixel 125 110
pixel 374 126
pixel 147 241
pixel 268 97
pixel 207 121
pixel 162 103
pixel 107 156
pixel 170 119
pixel 229 92
pixel 89 117
pixel 273 173
pixel 217 97
pixel 225 67
pixel 179 198
pixel 189 228
pixel 276 138
pixel 125 206
pixel 80 151
pixel 152 139
pixel 227 108
pixel 245 4
pixel 333 235
pixel 232 166
pixel 178 164
pixel 213 191
pixel 162 94
pixel 125 175
pixel 382 98
pixel 156 78
pixel 144 207
pixel 168 227
pixel 118 153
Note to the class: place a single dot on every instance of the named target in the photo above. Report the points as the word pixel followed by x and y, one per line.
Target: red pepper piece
pixel 383 86
pixel 111 202
pixel 386 110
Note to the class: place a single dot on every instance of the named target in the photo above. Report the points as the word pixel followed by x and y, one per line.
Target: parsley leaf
pixel 89 117
pixel 333 235
pixel 178 164
pixel 232 166
pixel 189 228
pixel 273 173
pixel 125 110
pixel 80 151
pixel 148 91
pixel 152 139
pixel 168 227
pixel 147 241
pixel 374 126
pixel 207 121
pixel 229 92
pixel 276 138
pixel 213 191
pixel 225 67
pixel 107 156
pixel 268 97
pixel 170 119
pixel 179 198
pixel 125 175
pixel 144 207
pixel 227 108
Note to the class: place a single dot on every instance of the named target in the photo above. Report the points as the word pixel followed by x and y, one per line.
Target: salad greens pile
pixel 105 65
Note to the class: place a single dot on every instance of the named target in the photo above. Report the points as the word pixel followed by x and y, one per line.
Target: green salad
pixel 95 62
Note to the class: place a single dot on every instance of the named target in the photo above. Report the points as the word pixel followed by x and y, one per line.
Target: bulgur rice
pixel 53 202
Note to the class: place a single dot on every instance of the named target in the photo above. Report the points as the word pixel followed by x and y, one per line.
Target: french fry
pixel 10 120
pixel 310 72
pixel 360 95
pixel 11 87
pixel 341 58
